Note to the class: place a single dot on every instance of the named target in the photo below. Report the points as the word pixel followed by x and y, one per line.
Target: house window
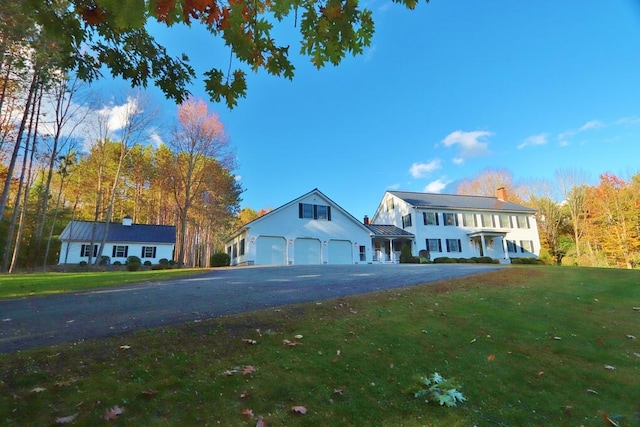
pixel 241 247
pixel 469 220
pixel 526 246
pixel 390 204
pixel 450 219
pixel 505 221
pixel 406 221
pixel 434 245
pixel 229 251
pixel 85 250
pixel 120 251
pixel 235 251
pixel 363 253
pixel 321 212
pixel 487 220
pixel 511 246
pixel 454 245
pixel 523 221
pixel 148 252
pixel 430 218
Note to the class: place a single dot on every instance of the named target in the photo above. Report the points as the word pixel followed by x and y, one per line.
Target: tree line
pixel 580 221
pixel 65 155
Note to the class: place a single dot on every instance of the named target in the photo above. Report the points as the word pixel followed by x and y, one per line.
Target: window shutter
pixel 459 245
pixel 328 213
pixel 142 255
pixel 126 251
pixel 113 252
pixel 455 219
pixel 95 250
pixel 299 210
pixel 448 249
pixel 439 244
pixel 522 246
pixel 424 221
pixel 82 250
pixel 154 251
pixel 315 211
pixel 437 221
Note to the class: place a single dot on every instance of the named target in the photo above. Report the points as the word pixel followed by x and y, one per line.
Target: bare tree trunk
pixel 16 149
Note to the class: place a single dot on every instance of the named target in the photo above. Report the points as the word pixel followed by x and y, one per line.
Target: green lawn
pixel 538 346
pixel 21 285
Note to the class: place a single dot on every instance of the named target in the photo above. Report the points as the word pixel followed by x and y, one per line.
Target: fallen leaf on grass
pixel 338 391
pixel 631 337
pixel 148 392
pixel 244 395
pixel 298 337
pixel 636 354
pixel 541 373
pixel 125 347
pixel 290 343
pixel 249 341
pixel 230 372
pixel 592 391
pixel 38 390
pixel 113 413
pixel 247 413
pixel 557 338
pixel 491 358
pixel 65 420
pixel 261 422
pixel 610 367
pixel 247 370
pixel 299 410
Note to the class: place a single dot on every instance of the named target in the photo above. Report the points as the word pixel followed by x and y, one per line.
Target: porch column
pixel 391 253
pixel 484 244
pixel 504 248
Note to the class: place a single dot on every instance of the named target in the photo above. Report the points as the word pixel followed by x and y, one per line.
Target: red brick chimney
pixel 366 220
pixel 502 194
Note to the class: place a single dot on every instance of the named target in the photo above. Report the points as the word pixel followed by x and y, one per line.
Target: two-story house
pixel 457 226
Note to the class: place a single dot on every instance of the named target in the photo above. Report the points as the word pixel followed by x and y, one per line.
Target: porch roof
pixel 384 230
pixel 494 233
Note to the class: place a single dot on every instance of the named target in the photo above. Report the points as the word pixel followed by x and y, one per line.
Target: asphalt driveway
pixel 38 321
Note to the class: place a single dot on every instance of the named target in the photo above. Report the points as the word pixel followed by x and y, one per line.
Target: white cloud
pixel 564 137
pixel 458 161
pixel 369 53
pixel 420 170
pixel 117 115
pixel 628 121
pixel 156 139
pixel 437 186
pixel 540 139
pixel 472 144
pixel 393 187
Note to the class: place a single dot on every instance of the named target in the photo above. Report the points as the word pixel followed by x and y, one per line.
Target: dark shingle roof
pixel 383 230
pixel 457 201
pixel 139 233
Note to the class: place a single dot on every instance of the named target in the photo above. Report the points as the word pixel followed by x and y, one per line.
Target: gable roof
pixel 134 233
pixel 384 230
pixel 458 201
pixel 297 200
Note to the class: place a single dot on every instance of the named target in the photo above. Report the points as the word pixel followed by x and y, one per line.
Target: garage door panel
pixel 340 252
pixel 307 251
pixel 271 250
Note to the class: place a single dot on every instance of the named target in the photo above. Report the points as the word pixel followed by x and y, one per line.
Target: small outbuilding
pixel 148 242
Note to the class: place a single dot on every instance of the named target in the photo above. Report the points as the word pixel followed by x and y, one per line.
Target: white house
pixel 148 242
pixel 311 229
pixel 458 226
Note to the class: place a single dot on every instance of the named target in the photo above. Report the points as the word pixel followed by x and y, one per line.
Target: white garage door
pixel 270 250
pixel 307 251
pixel 340 252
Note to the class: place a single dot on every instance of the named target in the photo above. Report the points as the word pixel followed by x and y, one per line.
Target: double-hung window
pixel 487 220
pixel 120 251
pixel 454 245
pixel 511 246
pixel 450 218
pixel 430 218
pixel 85 250
pixel 469 220
pixel 522 221
pixel 406 221
pixel 434 245
pixel 148 252
pixel 526 246
pixel 505 220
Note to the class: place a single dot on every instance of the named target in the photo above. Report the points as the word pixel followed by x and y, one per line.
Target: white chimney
pixel 126 221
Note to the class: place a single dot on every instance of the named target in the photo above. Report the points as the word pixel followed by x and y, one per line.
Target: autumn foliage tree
pixel 199 145
pixel 113 33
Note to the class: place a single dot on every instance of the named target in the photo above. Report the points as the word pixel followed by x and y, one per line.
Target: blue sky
pixel 444 91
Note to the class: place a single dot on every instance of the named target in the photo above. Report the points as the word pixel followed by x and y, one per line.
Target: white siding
pixel 70 253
